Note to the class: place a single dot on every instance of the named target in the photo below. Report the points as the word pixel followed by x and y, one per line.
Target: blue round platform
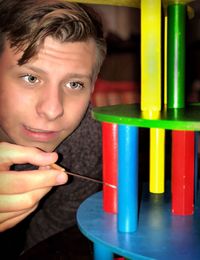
pixel 160 235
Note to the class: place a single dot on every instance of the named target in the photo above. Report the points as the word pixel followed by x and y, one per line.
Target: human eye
pixel 31 79
pixel 75 85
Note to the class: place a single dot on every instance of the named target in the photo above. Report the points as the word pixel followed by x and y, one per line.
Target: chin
pixel 42 146
pixel 47 148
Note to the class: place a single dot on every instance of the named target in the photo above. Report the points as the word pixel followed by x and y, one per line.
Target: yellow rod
pixel 165 59
pixel 157 160
pixel 150 55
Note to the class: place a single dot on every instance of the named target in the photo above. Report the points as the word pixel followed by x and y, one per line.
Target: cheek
pixel 13 104
pixel 7 103
pixel 80 108
pixel 13 101
pixel 75 110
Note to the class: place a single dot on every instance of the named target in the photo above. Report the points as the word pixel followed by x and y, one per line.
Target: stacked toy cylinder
pixel 120 142
pixel 182 141
pixel 110 167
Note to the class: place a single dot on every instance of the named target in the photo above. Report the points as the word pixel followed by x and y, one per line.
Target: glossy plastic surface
pixel 160 235
pixel 130 114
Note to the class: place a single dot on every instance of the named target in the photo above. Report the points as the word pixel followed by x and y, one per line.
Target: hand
pixel 21 191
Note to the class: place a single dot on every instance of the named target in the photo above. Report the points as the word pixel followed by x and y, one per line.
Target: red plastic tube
pixel 110 151
pixel 183 172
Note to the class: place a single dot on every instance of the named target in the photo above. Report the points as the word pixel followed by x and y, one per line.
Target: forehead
pixel 53 53
pixel 62 51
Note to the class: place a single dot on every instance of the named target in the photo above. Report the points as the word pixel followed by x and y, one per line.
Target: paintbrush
pixel 58 167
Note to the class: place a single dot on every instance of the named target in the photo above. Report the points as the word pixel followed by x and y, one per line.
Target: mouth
pixel 38 130
pixel 41 135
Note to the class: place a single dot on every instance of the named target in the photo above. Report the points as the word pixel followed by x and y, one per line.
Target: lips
pixel 39 134
pixel 38 130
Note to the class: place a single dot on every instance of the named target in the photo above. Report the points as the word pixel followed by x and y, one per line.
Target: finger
pixel 11 222
pixel 13 182
pixel 24 201
pixel 9 215
pixel 16 154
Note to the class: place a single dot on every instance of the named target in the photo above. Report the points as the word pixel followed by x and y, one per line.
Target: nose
pixel 50 104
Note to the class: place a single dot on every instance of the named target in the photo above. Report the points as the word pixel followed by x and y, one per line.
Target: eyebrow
pixel 33 68
pixel 71 75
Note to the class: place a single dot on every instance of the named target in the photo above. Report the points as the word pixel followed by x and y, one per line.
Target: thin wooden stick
pixel 58 167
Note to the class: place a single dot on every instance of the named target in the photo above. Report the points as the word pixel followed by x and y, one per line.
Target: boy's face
pixel 44 100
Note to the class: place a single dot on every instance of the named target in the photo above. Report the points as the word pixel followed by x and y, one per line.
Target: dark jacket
pixel 80 153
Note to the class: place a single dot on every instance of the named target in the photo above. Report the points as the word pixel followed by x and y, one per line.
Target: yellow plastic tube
pixel 151 55
pixel 157 160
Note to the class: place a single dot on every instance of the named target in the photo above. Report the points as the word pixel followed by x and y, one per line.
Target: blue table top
pixel 160 235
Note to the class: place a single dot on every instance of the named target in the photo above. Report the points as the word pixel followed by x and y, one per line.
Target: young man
pixel 50 54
